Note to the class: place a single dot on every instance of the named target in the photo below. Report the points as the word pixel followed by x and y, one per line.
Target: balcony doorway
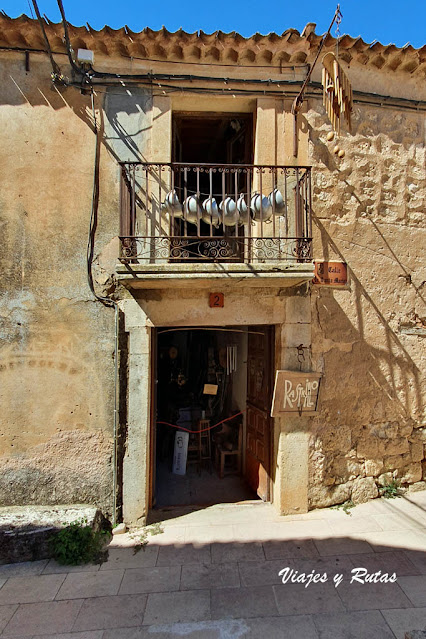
pixel 224 138
pixel 208 376
pixel 212 139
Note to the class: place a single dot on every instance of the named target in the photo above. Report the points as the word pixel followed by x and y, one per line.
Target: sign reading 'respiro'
pixel 295 392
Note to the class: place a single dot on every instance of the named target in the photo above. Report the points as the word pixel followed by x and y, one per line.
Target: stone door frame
pixel 290 434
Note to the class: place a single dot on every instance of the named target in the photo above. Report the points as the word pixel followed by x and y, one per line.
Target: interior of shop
pixel 202 381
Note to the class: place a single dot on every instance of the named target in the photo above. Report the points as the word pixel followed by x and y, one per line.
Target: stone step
pixel 25 530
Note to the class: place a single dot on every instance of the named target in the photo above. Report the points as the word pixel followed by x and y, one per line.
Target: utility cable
pixel 106 301
pixel 74 66
pixel 94 212
pixel 57 74
pixel 299 99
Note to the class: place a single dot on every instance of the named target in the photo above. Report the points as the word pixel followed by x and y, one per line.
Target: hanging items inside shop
pixel 231 359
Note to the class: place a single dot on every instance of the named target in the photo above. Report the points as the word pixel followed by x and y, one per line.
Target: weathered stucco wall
pixel 369 212
pixel 57 343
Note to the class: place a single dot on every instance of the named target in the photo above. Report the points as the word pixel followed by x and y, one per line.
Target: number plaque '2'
pixel 216 300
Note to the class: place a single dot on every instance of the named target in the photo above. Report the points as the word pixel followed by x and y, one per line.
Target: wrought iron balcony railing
pixel 179 212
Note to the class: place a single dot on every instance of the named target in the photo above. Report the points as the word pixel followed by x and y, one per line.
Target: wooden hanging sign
pixel 295 392
pixel 337 92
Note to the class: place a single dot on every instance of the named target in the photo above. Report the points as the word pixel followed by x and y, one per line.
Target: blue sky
pixel 386 21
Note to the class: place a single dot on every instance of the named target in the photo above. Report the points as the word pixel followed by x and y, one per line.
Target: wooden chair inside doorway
pixel 233 456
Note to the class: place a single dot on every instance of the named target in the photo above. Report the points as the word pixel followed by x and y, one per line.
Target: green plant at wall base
pixel 346 506
pixel 78 543
pixel 390 490
pixel 141 538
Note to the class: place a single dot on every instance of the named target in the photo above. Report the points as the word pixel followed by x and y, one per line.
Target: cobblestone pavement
pixel 213 573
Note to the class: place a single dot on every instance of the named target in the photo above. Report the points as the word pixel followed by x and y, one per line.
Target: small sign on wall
pixel 210 389
pixel 216 300
pixel 295 392
pixel 330 273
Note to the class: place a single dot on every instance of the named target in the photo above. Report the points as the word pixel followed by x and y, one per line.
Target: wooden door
pixel 154 417
pixel 259 398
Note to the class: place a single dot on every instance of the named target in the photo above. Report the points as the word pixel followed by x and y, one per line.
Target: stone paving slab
pixel 181 555
pixel 23 569
pixel 262 573
pixel 30 589
pixel 279 549
pixel 53 568
pixel 331 564
pixel 387 562
pixel 350 525
pixel 418 558
pixel 258 628
pixel 295 599
pixel 79 585
pixel 348 625
pixel 157 579
pixel 401 621
pixel 209 534
pixel 177 607
pixel 342 546
pixel 256 601
pixel 111 612
pixel 130 558
pixel 390 539
pixel 217 579
pixel 234 552
pixel 372 596
pixel 415 588
pixel 6 613
pixel 43 618
pixel 202 576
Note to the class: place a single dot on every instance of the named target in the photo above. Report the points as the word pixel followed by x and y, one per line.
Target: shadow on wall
pixel 367 365
pixel 125 112
pixel 391 368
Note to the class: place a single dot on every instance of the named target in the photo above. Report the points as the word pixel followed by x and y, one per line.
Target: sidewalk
pixel 213 574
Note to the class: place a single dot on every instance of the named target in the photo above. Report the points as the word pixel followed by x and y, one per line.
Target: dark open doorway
pixel 213 138
pixel 203 378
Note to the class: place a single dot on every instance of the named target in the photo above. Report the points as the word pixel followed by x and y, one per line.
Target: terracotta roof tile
pixel 290 47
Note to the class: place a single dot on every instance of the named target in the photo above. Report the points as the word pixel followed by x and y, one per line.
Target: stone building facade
pixel 79 419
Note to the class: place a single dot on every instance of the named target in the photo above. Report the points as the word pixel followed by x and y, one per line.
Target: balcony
pixel 204 221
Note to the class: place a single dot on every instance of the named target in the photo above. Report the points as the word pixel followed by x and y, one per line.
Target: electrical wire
pixel 94 213
pixel 299 98
pixel 56 70
pixel 104 300
pixel 396 102
pixel 287 67
pixel 74 66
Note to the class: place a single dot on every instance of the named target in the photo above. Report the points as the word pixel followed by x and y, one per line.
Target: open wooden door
pixel 259 398
pixel 154 417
